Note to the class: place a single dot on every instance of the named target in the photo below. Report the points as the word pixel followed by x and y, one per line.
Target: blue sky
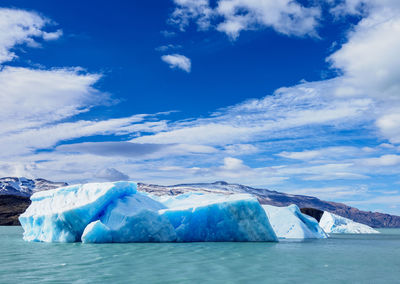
pixel 302 97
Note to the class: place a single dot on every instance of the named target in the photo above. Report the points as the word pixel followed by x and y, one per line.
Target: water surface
pixel 340 259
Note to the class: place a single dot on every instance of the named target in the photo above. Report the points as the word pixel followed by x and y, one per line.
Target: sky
pixel 301 97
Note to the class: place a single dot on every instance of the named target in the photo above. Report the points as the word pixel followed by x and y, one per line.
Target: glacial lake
pixel 340 259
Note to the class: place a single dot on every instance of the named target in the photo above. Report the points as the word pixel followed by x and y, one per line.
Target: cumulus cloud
pixel 389 125
pixel 21 27
pixel 233 16
pixel 286 17
pixel 177 61
pixel 370 65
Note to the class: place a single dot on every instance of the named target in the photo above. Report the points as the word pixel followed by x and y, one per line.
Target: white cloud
pixel 324 153
pixel 286 17
pixel 394 199
pixel 52 35
pixel 36 103
pixel 241 149
pixel 289 112
pixel 389 125
pixel 371 66
pixel 382 161
pixel 21 27
pixel 233 16
pixel 29 140
pixel 322 172
pixel 232 170
pixel 233 164
pixel 34 97
pixel 177 61
pixel 188 10
pixel 369 59
pixel 332 192
pixel 164 48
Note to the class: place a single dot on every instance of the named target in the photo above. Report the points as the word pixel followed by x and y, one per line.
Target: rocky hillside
pixel 14 193
pixel 11 206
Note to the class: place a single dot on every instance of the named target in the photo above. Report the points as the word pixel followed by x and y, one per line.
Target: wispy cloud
pixel 289 112
pixel 164 48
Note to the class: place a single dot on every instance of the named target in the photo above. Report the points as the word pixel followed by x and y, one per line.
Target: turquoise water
pixel 340 259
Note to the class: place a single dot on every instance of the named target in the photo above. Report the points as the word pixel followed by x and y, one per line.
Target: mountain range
pixel 15 192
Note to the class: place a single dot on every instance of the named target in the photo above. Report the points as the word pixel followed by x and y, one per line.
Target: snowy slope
pixel 26 187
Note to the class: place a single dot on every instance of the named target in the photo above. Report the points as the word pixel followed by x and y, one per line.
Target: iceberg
pixel 117 212
pixel 332 223
pixel 62 214
pixel 217 217
pixel 289 223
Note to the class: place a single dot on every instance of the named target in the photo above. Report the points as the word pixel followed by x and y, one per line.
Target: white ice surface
pixel 289 223
pixel 332 223
pixel 61 215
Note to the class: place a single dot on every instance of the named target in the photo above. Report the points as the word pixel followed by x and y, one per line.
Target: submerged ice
pixel 289 223
pixel 332 223
pixel 117 212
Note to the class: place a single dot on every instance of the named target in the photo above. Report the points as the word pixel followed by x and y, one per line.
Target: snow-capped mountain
pixel 26 187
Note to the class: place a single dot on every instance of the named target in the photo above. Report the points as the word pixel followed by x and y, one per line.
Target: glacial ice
pixel 117 212
pixel 289 223
pixel 61 215
pixel 332 223
pixel 217 217
pixel 134 218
